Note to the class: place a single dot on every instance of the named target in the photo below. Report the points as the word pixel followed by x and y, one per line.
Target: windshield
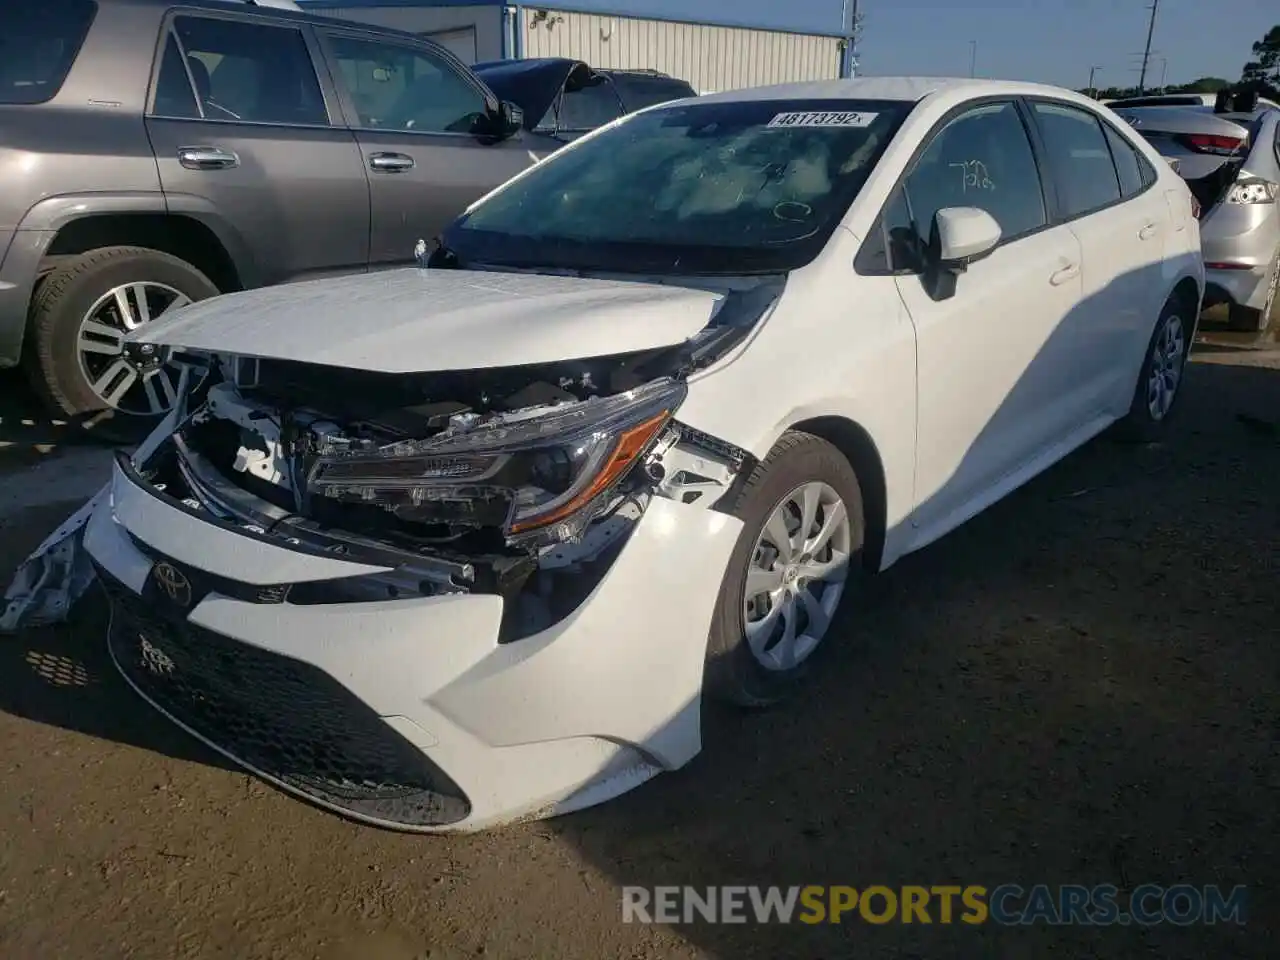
pixel 736 187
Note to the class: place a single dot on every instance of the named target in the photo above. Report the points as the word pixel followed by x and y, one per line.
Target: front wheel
pixel 1160 382
pixel 799 553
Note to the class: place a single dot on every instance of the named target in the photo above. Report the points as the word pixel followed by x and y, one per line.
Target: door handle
pixel 1069 271
pixel 390 162
pixel 207 158
pixel 1149 231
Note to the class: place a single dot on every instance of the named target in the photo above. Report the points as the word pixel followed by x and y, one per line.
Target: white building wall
pixel 711 58
pixel 473 34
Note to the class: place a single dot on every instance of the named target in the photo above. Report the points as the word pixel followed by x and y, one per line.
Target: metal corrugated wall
pixel 711 58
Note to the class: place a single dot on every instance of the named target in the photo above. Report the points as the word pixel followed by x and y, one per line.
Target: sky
pixel 1051 41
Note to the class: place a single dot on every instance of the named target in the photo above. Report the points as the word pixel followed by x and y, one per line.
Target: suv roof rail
pixel 273 4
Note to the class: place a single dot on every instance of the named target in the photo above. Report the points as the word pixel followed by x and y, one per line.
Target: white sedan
pixel 467 543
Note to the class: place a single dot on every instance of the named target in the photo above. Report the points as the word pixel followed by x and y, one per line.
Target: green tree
pixel 1205 85
pixel 1263 70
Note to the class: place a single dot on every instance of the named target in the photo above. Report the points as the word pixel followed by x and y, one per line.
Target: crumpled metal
pixel 59 572
pixel 54 577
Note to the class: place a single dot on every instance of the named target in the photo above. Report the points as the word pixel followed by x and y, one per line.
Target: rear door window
pixel 38 44
pixel 1079 158
pixel 239 72
pixel 1134 171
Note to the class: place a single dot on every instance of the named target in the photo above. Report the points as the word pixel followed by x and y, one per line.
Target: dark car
pixel 565 98
pixel 153 153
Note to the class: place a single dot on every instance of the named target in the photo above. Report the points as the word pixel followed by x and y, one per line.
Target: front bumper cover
pixel 443 728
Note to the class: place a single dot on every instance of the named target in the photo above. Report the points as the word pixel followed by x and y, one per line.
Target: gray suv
pixel 153 153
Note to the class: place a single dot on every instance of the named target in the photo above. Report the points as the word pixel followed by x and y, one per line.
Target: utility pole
pixel 1146 53
pixel 1093 92
pixel 973 56
pixel 851 22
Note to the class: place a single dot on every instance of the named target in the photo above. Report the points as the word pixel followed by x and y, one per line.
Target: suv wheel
pixel 79 318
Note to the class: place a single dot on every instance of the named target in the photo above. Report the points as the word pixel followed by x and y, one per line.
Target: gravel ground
pixel 1079 686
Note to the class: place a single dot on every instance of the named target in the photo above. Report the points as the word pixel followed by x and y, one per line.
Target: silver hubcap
pixel 1167 357
pixel 796 576
pixel 114 378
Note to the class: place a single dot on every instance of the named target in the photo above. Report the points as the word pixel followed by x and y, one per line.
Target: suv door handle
pixel 1069 271
pixel 390 162
pixel 207 158
pixel 1149 231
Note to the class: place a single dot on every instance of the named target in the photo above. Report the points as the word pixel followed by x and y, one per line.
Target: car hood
pixel 417 320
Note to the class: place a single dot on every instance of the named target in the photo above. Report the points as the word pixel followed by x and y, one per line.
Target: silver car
pixel 1231 162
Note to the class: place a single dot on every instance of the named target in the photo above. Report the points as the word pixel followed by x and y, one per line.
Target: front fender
pixel 817 357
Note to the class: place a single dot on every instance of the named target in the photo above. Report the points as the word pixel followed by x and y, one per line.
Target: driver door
pixel 411 107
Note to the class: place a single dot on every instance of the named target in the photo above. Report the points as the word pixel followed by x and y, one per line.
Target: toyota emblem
pixel 173 583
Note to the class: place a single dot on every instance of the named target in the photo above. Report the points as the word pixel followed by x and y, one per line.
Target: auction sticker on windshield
pixel 834 118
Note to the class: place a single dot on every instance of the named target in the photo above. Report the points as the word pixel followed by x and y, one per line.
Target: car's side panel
pixel 296 191
pixel 420 176
pixel 1123 246
pixel 836 345
pixel 88 139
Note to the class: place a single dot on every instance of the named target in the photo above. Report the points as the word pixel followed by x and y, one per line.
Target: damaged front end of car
pixel 521 482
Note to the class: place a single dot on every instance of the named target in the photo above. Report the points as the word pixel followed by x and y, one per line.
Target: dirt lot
pixel 1080 686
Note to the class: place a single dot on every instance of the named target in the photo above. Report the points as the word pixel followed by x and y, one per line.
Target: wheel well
pixel 182 237
pixel 860 450
pixel 1187 291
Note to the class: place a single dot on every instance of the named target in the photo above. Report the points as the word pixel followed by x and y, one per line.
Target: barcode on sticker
pixel 833 118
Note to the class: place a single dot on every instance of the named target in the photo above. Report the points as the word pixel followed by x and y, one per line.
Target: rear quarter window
pixel 38 44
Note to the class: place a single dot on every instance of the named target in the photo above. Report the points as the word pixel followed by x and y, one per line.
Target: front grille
pixel 287 720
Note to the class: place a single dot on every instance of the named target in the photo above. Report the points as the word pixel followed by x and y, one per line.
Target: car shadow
pixel 28 433
pixel 62 675
pixel 1077 686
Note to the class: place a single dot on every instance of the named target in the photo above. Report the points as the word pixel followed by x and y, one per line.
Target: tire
pixel 1144 423
pixel 61 304
pixel 734 673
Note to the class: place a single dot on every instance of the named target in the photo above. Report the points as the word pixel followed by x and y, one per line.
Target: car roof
pixel 268 8
pixel 893 88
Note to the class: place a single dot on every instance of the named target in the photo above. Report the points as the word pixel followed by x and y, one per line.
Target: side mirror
pixel 959 236
pixel 499 123
pixel 510 118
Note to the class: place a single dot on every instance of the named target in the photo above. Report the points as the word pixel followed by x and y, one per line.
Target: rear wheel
pixel 78 322
pixel 796 559
pixel 1160 382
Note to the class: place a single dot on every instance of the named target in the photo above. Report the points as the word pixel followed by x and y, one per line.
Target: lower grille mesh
pixel 285 719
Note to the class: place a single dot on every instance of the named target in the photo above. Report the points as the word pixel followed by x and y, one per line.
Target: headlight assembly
pixel 540 474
